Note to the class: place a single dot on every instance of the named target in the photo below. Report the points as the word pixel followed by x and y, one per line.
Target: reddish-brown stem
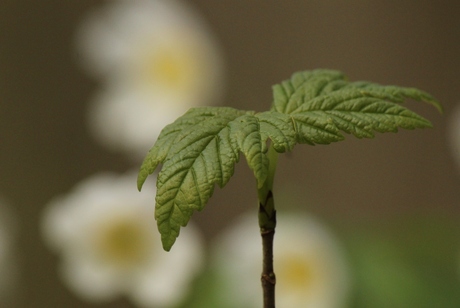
pixel 267 223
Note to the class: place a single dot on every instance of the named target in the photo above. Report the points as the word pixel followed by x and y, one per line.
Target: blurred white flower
pixel 157 59
pixel 309 264
pixel 106 234
pixel 8 264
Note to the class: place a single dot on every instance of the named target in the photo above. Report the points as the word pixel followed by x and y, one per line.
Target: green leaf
pixel 279 128
pixel 201 148
pixel 198 151
pixel 322 104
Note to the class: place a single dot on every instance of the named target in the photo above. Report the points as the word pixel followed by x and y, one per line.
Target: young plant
pixel 201 147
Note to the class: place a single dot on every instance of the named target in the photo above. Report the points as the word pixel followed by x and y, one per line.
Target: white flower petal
pixel 327 274
pixel 108 36
pixel 157 59
pixel 309 264
pixel 107 237
pixel 9 272
pixel 153 287
pixel 128 120
pixel 89 280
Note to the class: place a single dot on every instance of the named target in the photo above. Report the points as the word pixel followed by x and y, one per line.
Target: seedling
pixel 200 149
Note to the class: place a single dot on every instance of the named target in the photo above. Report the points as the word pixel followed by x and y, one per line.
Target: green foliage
pixel 201 147
pixel 322 103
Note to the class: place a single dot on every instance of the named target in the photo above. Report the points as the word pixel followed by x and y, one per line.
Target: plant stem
pixel 267 224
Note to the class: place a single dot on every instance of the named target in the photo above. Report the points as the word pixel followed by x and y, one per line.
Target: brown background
pixel 45 147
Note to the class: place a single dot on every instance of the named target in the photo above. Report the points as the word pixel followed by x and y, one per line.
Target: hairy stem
pixel 267 224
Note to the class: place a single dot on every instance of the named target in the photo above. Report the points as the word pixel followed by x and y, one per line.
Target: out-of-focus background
pixel 392 203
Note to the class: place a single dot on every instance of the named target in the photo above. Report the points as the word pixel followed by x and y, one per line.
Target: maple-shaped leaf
pixel 201 148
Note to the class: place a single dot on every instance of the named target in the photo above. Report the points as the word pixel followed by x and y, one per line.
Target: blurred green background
pixel 393 200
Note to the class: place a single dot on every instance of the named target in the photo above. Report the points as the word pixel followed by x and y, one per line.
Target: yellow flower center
pixel 171 67
pixel 295 273
pixel 124 242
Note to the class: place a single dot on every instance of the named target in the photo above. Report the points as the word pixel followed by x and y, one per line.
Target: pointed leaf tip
pixel 167 242
pixel 140 180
